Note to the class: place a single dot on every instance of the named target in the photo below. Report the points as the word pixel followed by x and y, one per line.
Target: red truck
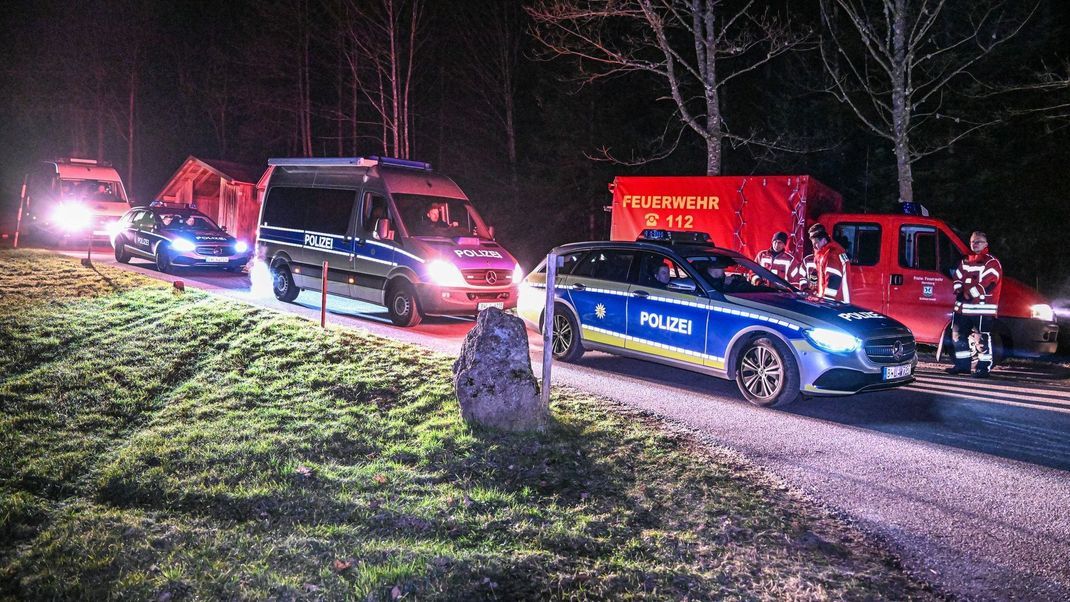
pixel 900 263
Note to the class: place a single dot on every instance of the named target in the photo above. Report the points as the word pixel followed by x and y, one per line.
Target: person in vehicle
pixel 722 281
pixel 661 275
pixel 977 285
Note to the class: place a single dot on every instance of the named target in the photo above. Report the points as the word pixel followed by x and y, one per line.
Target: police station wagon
pixel 393 232
pixel 676 299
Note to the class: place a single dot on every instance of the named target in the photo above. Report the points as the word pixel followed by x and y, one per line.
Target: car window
pixel 650 264
pixel 862 241
pixel 917 247
pixel 146 221
pixel 569 261
pixel 185 221
pixel 950 256
pixel 608 264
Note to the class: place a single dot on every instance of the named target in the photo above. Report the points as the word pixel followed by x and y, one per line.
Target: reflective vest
pixel 832 263
pixel 782 264
pixel 808 273
pixel 978 281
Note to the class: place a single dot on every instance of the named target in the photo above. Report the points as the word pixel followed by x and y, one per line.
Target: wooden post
pixel 323 298
pixel 18 219
pixel 548 327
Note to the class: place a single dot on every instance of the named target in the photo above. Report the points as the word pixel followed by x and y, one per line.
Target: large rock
pixel 493 375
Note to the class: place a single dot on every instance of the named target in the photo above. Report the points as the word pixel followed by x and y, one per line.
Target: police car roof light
pixel 313 161
pixel 656 235
pixel 395 162
pixel 912 208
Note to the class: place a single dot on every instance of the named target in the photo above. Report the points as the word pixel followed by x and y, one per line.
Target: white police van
pixel 676 299
pixel 393 232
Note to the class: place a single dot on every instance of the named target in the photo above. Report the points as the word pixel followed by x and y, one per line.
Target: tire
pixel 567 346
pixel 282 284
pixel 163 259
pixel 402 305
pixel 767 373
pixel 121 254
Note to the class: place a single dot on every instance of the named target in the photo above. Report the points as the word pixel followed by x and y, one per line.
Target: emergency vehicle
pixel 900 264
pixel 717 312
pixel 394 232
pixel 172 235
pixel 71 198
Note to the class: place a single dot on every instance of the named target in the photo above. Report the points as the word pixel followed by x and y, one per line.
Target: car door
pixel 374 257
pixel 598 290
pixel 920 292
pixel 144 232
pixel 327 237
pixel 666 320
pixel 866 277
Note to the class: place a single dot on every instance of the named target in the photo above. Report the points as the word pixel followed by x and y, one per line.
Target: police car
pixel 675 298
pixel 177 236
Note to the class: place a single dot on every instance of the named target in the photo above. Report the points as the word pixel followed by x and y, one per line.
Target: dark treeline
pixel 474 88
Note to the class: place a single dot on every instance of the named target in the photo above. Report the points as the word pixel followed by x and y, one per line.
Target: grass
pixel 165 446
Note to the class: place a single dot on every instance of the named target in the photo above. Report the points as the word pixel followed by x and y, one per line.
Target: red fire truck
pixel 900 263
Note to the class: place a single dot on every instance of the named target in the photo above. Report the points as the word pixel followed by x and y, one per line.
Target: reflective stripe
pixel 994 272
pixel 976 291
pixel 962 354
pixel 688 352
pixel 984 357
pixel 834 271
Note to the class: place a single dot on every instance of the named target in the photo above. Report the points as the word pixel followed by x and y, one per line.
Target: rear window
pixel 605 265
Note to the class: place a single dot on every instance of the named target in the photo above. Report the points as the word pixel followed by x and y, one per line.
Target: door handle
pixel 640 294
pixel 579 287
pixel 897 279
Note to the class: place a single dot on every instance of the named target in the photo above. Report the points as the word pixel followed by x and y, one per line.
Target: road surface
pixel 966 481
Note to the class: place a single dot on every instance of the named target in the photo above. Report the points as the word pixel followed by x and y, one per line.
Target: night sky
pixel 225 80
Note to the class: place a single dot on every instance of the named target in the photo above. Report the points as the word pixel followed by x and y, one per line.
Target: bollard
pixel 548 327
pixel 323 298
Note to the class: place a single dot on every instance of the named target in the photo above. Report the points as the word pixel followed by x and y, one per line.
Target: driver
pixel 720 280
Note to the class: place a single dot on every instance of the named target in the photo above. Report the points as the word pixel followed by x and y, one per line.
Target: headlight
pixel 518 274
pixel 182 245
pixel 241 246
pixel 1042 311
pixel 113 229
pixel 72 217
pixel 833 341
pixel 444 273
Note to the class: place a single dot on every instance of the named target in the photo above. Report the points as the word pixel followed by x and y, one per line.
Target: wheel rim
pixel 402 304
pixel 762 372
pixel 281 284
pixel 562 340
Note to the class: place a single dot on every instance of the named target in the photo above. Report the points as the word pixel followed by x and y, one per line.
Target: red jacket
pixel 782 264
pixel 978 281
pixel 832 263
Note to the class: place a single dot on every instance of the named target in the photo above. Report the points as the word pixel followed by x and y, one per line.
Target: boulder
pixel 493 377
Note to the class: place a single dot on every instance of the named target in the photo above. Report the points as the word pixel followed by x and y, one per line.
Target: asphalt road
pixel 967 482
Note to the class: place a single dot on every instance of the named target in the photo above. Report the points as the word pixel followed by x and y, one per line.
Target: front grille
pixel 488 277
pixel 488 296
pixel 883 350
pixel 215 250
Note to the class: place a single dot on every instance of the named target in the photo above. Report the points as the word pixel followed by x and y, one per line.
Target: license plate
pixel 216 259
pixel 894 372
pixel 483 306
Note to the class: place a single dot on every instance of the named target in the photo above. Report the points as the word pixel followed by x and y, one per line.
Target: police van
pixel 676 299
pixel 393 232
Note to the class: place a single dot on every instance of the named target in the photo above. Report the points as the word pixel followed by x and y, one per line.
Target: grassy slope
pixel 156 444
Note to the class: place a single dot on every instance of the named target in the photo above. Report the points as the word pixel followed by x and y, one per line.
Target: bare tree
pixel 694 47
pixel 900 64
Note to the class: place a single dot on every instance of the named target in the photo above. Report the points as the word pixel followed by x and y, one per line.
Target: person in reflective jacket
pixel 831 262
pixel 777 260
pixel 978 280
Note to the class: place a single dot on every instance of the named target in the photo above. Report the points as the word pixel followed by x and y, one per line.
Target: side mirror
pixel 684 286
pixel 383 229
pixel 223 228
pixel 491 230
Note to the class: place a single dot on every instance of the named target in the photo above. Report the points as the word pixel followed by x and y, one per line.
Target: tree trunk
pixel 901 103
pixel 131 125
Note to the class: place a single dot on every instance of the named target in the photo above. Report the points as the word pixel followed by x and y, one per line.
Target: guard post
pixel 323 298
pixel 548 326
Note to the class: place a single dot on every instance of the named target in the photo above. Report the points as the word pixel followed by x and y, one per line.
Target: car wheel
pixel 565 337
pixel 402 306
pixel 282 283
pixel 767 373
pixel 121 255
pixel 163 259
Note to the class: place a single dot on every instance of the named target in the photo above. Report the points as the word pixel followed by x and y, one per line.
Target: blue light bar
pixel 656 235
pixel 313 161
pixel 395 162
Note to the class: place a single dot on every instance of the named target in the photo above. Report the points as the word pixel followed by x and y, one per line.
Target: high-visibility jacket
pixel 782 264
pixel 832 263
pixel 808 273
pixel 978 282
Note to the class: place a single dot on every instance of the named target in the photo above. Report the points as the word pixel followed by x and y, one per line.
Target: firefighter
pixel 978 280
pixel 778 261
pixel 831 263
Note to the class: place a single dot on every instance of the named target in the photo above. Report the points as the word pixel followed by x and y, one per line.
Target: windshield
pixel 733 275
pixel 186 221
pixel 439 216
pixel 92 190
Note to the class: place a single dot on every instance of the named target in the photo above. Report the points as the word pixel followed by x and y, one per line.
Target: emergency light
pixel 348 162
pixel 656 235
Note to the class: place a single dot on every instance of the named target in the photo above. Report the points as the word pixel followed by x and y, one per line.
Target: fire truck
pixel 900 263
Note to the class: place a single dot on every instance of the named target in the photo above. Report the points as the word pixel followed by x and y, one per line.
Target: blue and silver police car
pixel 172 236
pixel 675 298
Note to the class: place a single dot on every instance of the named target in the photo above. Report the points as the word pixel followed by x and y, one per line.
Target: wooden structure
pixel 222 190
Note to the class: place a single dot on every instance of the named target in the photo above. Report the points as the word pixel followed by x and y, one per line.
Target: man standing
pixel 831 262
pixel 778 261
pixel 978 281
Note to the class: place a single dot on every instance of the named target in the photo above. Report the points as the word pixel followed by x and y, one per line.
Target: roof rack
pixel 348 162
